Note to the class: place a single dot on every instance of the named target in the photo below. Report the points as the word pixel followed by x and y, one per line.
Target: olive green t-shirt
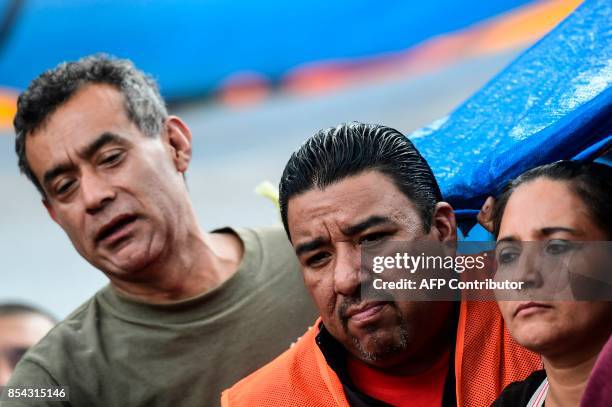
pixel 113 351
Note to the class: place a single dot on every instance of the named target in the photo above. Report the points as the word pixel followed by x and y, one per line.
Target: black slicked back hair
pixel 349 149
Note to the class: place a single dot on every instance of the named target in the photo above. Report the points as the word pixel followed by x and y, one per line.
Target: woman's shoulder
pixel 518 394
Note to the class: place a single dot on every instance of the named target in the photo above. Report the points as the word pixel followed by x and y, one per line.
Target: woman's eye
pixel 556 247
pixel 507 256
pixel 317 259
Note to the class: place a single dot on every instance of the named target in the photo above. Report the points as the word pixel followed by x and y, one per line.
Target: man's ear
pixel 178 137
pixel 444 223
pixel 50 210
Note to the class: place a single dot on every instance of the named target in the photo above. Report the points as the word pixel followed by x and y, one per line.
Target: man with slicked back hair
pixel 345 189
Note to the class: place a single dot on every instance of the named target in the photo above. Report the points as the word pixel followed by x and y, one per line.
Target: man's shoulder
pixel 271 238
pixel 72 323
pixel 63 342
pixel 269 248
pixel 30 374
pixel 291 371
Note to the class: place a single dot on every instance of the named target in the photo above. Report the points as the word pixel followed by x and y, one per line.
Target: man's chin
pixel 131 267
pixel 133 260
pixel 378 347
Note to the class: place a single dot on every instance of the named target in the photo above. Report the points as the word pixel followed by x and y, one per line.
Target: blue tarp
pixel 191 46
pixel 551 103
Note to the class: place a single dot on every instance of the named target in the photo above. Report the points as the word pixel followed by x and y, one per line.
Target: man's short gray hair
pixel 143 103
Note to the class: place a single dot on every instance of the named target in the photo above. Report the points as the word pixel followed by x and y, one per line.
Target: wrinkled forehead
pixel 309 220
pixel 331 211
pixel 543 203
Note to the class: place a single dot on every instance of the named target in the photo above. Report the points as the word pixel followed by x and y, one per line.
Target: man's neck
pixel 568 375
pixel 203 262
pixel 430 352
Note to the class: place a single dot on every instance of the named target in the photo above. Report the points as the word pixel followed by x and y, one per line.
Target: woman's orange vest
pixel 486 360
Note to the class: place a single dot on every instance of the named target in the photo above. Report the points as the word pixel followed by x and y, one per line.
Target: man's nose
pixel 97 192
pixel 347 270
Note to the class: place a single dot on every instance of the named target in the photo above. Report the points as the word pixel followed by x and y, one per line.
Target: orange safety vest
pixel 486 360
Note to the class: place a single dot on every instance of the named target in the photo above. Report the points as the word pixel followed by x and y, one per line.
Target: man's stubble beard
pixel 384 351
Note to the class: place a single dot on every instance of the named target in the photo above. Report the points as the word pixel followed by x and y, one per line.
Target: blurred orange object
pixel 511 30
pixel 8 108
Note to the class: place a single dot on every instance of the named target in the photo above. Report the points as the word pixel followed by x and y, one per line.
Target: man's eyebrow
pixel 87 152
pixel 56 171
pixel 350 231
pixel 309 246
pixel 368 223
pixel 102 140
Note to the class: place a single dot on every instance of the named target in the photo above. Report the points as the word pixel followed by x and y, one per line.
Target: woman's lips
pixel 530 308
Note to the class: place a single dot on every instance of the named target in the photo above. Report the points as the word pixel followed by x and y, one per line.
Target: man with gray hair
pixel 181 317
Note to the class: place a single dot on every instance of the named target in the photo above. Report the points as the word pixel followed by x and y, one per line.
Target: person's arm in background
pixel 31 374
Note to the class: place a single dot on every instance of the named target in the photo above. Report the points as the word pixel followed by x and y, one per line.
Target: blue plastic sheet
pixel 551 103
